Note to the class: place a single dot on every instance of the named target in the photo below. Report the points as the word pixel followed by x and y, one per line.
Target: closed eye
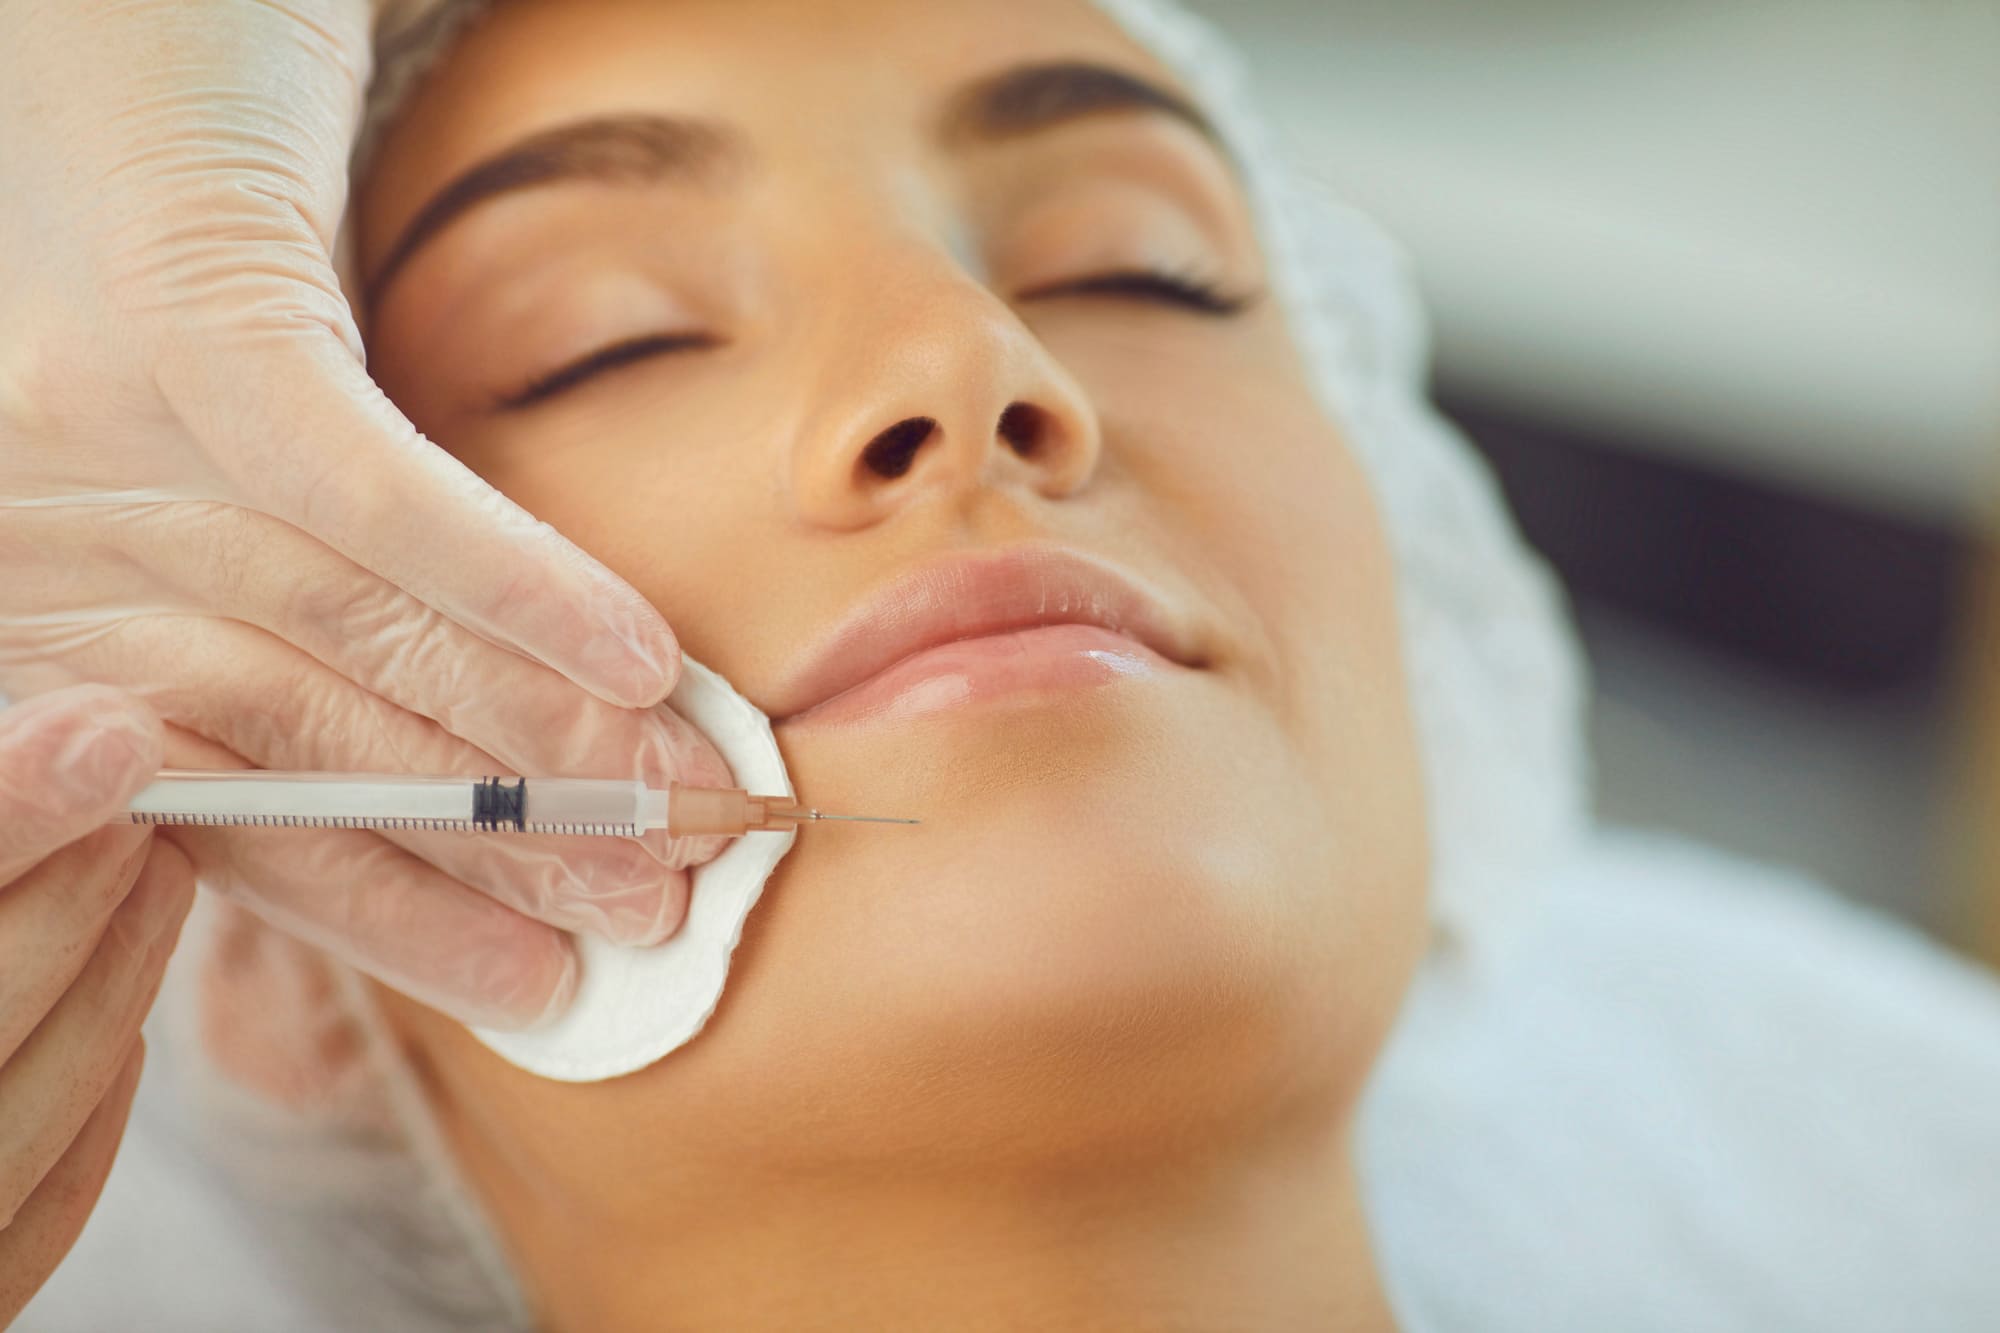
pixel 1194 292
pixel 604 358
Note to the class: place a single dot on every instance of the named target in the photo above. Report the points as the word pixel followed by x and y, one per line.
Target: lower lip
pixel 972 671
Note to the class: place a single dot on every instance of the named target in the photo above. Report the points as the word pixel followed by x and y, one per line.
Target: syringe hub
pixel 728 811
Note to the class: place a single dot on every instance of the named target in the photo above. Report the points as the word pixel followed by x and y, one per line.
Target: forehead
pixel 785 70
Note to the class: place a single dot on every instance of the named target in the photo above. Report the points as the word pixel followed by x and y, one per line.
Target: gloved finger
pixel 569 883
pixel 306 717
pixel 48 1224
pixel 51 919
pixel 254 568
pixel 69 760
pixel 612 888
pixel 304 434
pixel 62 1071
pixel 655 744
pixel 384 912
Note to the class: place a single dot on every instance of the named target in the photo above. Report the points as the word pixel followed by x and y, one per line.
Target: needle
pixel 862 819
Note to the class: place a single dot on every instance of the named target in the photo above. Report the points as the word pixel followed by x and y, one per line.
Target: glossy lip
pixel 979 598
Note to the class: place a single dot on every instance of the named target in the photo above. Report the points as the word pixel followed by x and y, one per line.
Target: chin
pixel 1121 930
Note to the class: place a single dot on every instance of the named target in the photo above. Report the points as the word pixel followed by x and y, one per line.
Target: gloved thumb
pixel 69 760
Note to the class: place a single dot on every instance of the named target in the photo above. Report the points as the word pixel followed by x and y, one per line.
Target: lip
pixel 968 628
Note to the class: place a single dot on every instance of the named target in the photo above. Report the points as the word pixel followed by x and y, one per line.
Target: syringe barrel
pixel 586 805
pixel 385 801
pixel 332 800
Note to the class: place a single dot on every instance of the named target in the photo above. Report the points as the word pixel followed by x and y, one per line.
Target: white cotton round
pixel 635 1005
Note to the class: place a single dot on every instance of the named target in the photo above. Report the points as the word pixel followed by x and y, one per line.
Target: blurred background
pixel 1716 288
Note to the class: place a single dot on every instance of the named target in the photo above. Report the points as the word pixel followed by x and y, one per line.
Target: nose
pixel 934 386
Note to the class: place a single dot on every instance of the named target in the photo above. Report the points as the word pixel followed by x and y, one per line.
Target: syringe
pixel 606 806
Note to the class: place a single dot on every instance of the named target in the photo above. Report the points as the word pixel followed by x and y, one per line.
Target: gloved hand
pixel 88 916
pixel 205 500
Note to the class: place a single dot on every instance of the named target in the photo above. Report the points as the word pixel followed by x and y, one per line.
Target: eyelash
pixel 603 359
pixel 1200 295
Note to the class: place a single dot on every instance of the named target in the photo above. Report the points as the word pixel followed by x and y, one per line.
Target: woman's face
pixel 889 285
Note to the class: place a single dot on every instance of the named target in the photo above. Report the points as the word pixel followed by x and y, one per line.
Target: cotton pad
pixel 633 1005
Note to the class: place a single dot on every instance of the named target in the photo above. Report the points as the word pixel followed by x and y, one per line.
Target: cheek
pixel 1243 475
pixel 680 505
pixel 1302 539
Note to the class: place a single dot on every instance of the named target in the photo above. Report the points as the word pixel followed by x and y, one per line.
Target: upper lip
pixel 968 598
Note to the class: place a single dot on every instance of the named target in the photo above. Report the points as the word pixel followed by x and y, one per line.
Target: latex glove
pixel 205 499
pixel 88 916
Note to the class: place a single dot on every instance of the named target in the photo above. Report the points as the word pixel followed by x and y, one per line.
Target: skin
pixel 1083 1050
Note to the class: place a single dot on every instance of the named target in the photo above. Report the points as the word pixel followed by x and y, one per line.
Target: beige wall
pixel 1774 275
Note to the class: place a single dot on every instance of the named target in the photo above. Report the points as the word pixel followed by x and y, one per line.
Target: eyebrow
pixel 642 149
pixel 612 150
pixel 1040 96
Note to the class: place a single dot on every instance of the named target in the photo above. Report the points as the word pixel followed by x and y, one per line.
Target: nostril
pixel 1023 426
pixel 890 453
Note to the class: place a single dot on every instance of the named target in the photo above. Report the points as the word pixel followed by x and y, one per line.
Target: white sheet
pixel 1706 1095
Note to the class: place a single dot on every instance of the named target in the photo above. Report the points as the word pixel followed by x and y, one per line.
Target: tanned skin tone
pixel 1083 1050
